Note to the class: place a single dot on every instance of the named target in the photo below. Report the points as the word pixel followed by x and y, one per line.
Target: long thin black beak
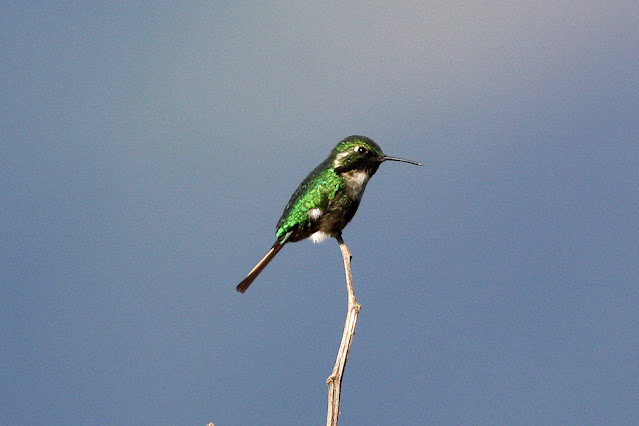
pixel 387 158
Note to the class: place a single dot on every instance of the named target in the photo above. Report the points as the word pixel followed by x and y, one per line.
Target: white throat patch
pixel 356 180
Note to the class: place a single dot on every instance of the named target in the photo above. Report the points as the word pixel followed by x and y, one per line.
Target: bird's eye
pixel 360 149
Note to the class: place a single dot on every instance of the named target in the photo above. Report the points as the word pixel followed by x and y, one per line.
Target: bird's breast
pixel 356 181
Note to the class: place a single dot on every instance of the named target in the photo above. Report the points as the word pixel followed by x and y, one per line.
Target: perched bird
pixel 327 199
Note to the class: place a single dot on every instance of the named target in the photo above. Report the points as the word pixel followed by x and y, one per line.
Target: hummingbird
pixel 327 199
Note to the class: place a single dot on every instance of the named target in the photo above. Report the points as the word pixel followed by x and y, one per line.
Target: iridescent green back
pixel 317 190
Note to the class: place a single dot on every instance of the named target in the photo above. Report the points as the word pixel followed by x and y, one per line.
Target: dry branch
pixel 334 381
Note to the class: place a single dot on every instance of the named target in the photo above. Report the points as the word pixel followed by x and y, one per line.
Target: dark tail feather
pixel 246 282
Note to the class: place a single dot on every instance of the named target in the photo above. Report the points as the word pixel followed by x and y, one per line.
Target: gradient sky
pixel 147 151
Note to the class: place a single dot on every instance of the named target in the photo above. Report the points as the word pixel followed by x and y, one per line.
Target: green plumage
pixel 321 189
pixel 327 199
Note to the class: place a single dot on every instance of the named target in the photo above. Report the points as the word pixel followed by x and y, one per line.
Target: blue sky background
pixel 147 151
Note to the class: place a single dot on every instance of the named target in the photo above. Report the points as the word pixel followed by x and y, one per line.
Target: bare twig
pixel 334 381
